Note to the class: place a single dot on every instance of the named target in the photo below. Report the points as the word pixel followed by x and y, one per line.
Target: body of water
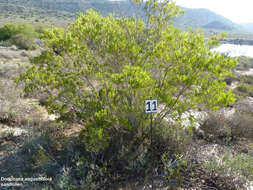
pixel 235 50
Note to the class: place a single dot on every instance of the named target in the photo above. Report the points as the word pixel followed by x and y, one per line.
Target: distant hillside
pixel 60 5
pixel 198 18
pixel 75 6
pixel 56 11
pixel 218 26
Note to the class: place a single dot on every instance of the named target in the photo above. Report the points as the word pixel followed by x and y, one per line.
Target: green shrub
pixel 244 90
pixel 84 74
pixel 173 170
pixel 8 31
pixel 37 151
pixel 5 43
pixel 27 30
pixel 21 35
pixel 100 71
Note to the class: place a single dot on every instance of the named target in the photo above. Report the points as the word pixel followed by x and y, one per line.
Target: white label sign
pixel 151 106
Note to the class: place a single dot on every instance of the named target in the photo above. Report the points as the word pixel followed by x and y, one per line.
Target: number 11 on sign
pixel 151 106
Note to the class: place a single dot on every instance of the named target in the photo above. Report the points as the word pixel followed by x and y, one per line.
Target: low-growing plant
pixel 11 107
pixel 245 90
pixel 23 41
pixel 245 63
pixel 238 167
pixel 173 172
pixel 242 124
pixel 217 126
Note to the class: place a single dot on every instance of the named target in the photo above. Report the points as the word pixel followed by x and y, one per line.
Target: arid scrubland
pixel 48 132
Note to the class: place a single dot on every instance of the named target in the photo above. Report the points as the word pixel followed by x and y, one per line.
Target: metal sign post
pixel 151 107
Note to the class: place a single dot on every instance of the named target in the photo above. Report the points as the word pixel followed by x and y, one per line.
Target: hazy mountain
pixel 248 26
pixel 204 18
pixel 218 26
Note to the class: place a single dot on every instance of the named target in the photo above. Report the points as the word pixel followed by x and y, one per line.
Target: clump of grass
pixel 219 127
pixel 242 125
pixel 245 63
pixel 10 101
pixel 244 90
pixel 238 167
pixel 216 127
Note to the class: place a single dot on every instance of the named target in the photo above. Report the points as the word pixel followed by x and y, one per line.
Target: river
pixel 235 50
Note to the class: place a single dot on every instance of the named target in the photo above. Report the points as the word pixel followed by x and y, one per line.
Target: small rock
pixel 14 48
pixel 25 54
pixel 18 132
pixel 2 157
pixel 9 131
pixel 52 117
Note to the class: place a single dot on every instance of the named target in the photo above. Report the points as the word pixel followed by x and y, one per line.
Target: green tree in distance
pixel 99 71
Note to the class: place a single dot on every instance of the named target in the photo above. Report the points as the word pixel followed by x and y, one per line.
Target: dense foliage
pixel 101 69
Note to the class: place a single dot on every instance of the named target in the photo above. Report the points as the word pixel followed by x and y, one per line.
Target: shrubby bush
pixel 244 87
pixel 8 31
pixel 105 77
pixel 21 35
pixel 100 71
